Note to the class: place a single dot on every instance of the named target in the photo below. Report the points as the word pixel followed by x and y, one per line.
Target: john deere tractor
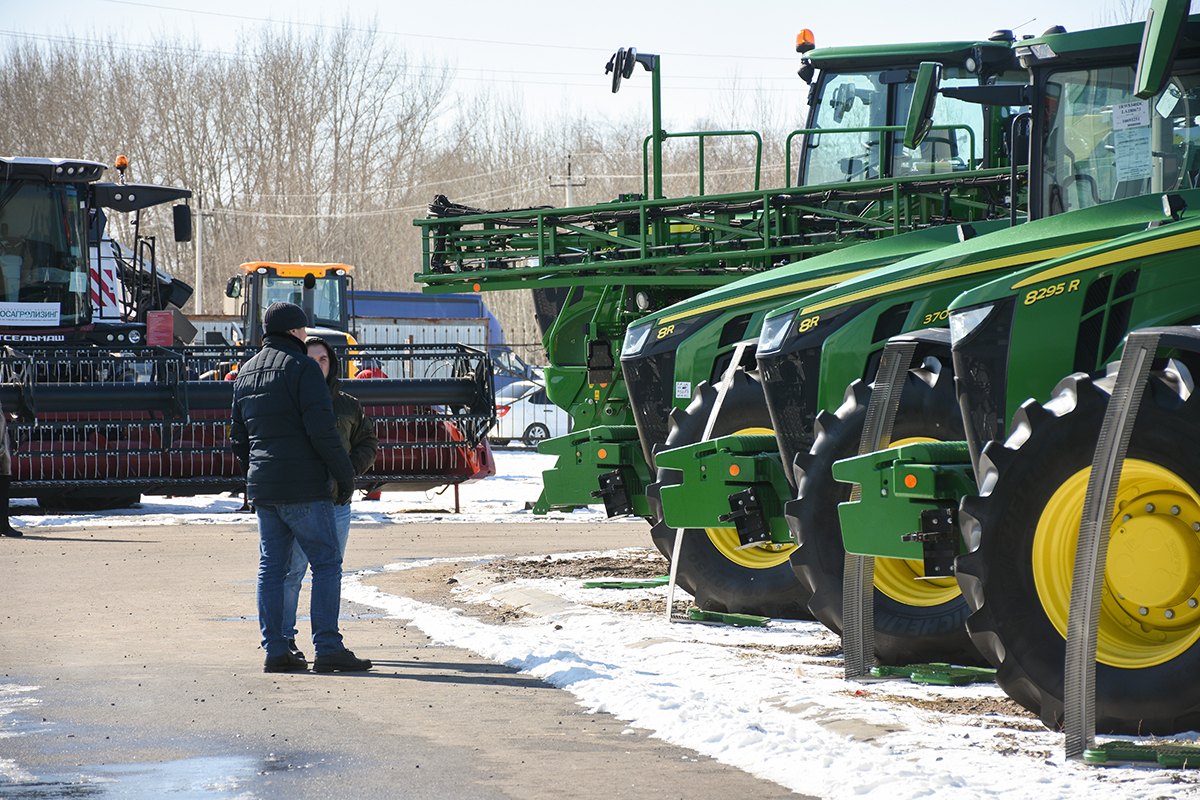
pixel 817 357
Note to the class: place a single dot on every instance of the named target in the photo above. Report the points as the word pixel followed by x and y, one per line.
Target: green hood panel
pixel 812 274
pixel 1007 250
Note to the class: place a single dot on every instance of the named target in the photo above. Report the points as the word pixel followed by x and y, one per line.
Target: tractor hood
pixel 1002 251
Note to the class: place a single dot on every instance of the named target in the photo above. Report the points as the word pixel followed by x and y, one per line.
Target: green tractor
pixel 1019 519
pixel 594 270
pixel 817 358
pixel 984 527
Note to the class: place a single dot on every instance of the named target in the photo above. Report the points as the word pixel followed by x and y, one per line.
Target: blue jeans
pixel 280 527
pixel 295 575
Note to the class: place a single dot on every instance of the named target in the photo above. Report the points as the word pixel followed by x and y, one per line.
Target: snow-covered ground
pixel 501 498
pixel 749 697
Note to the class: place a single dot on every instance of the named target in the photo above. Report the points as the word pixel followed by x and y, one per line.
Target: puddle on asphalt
pixel 201 777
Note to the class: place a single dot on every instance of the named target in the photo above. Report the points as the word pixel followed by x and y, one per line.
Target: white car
pixel 524 413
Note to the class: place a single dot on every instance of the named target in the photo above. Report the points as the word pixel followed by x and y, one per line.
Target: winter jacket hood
pixel 357 432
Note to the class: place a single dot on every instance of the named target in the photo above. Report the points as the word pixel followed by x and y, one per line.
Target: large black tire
pixel 915 620
pixel 1021 534
pixel 720 577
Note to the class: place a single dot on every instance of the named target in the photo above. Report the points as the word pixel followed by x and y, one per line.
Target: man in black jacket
pixel 285 436
pixel 360 442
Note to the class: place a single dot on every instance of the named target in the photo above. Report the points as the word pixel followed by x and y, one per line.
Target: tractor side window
pixel 841 154
pixel 943 150
pixel 327 301
pixel 1101 143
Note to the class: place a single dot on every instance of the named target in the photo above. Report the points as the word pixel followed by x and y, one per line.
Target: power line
pixel 419 35
pixel 504 191
pixel 596 79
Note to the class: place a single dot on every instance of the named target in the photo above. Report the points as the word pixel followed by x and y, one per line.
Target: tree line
pixel 323 147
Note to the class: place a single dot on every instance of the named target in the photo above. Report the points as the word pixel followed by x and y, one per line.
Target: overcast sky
pixel 555 52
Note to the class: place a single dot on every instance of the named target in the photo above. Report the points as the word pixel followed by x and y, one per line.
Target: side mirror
pixel 920 113
pixel 233 286
pixel 843 100
pixel 1160 42
pixel 630 62
pixel 616 66
pixel 1018 135
pixel 621 66
pixel 182 217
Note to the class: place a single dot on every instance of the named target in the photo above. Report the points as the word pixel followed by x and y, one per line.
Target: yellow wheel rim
pixel 902 579
pixel 763 556
pixel 1150 607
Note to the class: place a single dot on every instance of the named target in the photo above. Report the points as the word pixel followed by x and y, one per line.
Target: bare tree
pixel 323 147
pixel 1120 12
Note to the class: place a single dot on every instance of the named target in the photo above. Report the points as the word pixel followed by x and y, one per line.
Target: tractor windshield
pixel 1101 143
pixel 43 255
pixel 851 103
pixel 327 297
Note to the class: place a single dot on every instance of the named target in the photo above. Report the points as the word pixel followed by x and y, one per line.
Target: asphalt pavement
pixel 135 649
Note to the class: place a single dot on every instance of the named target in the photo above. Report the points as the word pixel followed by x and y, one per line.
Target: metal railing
pixel 156 420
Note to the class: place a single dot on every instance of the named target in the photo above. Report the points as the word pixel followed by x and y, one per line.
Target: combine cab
pixel 62 277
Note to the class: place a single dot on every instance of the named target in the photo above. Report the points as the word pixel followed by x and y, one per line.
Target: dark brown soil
pixel 983 707
pixel 633 567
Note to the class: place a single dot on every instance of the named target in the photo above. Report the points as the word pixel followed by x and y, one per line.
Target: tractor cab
pixel 322 290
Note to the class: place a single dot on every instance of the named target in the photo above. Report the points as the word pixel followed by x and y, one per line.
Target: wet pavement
pixel 130 668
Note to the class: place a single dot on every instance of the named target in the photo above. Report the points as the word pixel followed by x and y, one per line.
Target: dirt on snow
pixel 436 584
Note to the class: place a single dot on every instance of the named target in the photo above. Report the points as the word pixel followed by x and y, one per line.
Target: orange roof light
pixel 121 163
pixel 805 41
pixel 296 270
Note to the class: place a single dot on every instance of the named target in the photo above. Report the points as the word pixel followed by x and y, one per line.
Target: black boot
pixel 6 529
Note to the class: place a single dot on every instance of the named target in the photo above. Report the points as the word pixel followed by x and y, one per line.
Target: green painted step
pixel 940 674
pixel 1179 756
pixel 737 620
pixel 646 584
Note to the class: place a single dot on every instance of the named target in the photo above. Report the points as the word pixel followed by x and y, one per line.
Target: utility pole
pixel 568 182
pixel 198 293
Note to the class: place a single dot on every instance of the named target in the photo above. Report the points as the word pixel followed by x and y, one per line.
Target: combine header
pixel 96 429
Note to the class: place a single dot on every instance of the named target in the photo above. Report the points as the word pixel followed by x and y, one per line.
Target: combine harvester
pixel 97 417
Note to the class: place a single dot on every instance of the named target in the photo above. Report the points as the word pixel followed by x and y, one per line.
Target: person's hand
pixel 345 492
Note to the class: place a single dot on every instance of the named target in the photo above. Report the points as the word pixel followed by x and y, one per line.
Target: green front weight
pixel 715 469
pixel 897 485
pixel 586 455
